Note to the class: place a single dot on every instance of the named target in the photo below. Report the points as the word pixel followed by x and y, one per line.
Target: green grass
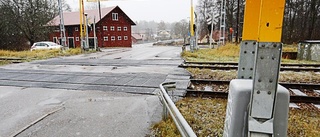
pixel 206 117
pixel 284 76
pixel 230 52
pixel 37 54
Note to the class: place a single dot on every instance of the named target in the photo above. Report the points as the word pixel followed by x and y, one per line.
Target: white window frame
pixel 125 37
pixel 105 38
pixel 119 28
pixel 77 38
pixel 76 29
pixel 115 17
pixel 119 38
pixel 125 28
pixel 112 28
pixel 113 38
pixel 105 28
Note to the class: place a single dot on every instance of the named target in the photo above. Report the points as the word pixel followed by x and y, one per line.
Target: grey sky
pixel 157 10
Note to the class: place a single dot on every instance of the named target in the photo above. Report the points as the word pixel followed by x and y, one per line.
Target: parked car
pixel 45 45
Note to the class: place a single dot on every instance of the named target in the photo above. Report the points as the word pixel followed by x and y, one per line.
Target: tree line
pixel 24 22
pixel 301 18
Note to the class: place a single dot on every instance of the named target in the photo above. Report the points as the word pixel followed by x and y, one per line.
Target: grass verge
pixel 230 52
pixel 206 117
pixel 284 76
pixel 36 55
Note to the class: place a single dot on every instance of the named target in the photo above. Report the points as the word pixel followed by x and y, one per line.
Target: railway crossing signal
pixel 257 105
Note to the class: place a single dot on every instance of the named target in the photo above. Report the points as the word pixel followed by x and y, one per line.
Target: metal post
pixel 101 29
pixel 211 31
pixel 82 26
pixel 87 35
pixel 191 28
pixel 196 32
pixel 267 106
pixel 238 20
pixel 94 33
pixel 223 22
pixel 62 29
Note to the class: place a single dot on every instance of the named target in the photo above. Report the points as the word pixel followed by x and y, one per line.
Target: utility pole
pixel 87 34
pixel 101 34
pixel 223 22
pixel 238 20
pixel 62 29
pixel 94 33
pixel 196 31
pixel 82 25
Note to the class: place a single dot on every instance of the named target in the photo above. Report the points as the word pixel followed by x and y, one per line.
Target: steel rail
pixel 287 85
pixel 236 64
pixel 236 67
pixel 11 58
pixel 168 106
pixel 224 95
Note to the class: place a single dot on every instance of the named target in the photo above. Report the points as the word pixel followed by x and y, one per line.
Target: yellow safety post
pixel 270 21
pixel 251 20
pixel 191 20
pixel 81 18
pixel 82 25
pixel 256 94
pixel 263 20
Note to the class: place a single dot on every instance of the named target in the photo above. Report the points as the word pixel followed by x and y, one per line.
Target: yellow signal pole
pixel 263 20
pixel 260 58
pixel 82 25
pixel 192 38
pixel 191 20
pixel 256 95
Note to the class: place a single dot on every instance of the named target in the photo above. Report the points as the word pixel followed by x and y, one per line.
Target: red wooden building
pixel 113 30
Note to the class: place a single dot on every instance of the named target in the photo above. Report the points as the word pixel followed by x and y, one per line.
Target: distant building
pixel 163 35
pixel 136 38
pixel 206 38
pixel 146 35
pixel 113 30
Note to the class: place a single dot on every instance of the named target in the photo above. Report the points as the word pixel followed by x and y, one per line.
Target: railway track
pixel 234 66
pixel 299 92
pixel 12 60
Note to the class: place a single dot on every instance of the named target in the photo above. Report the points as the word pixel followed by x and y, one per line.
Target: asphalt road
pixel 110 93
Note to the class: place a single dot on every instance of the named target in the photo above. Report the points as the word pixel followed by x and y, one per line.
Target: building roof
pixel 73 18
pixel 136 36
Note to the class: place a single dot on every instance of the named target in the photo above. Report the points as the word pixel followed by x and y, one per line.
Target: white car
pixel 45 45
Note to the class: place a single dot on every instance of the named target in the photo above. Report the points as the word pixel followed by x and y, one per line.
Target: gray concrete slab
pixel 98 87
pixel 137 81
pixel 91 89
pixel 84 113
pixel 138 90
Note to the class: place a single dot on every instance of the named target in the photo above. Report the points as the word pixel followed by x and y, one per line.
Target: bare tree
pixel 181 29
pixel 301 20
pixel 26 21
pixel 205 9
pixel 162 25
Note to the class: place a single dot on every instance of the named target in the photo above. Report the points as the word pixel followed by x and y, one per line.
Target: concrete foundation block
pixel 236 123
